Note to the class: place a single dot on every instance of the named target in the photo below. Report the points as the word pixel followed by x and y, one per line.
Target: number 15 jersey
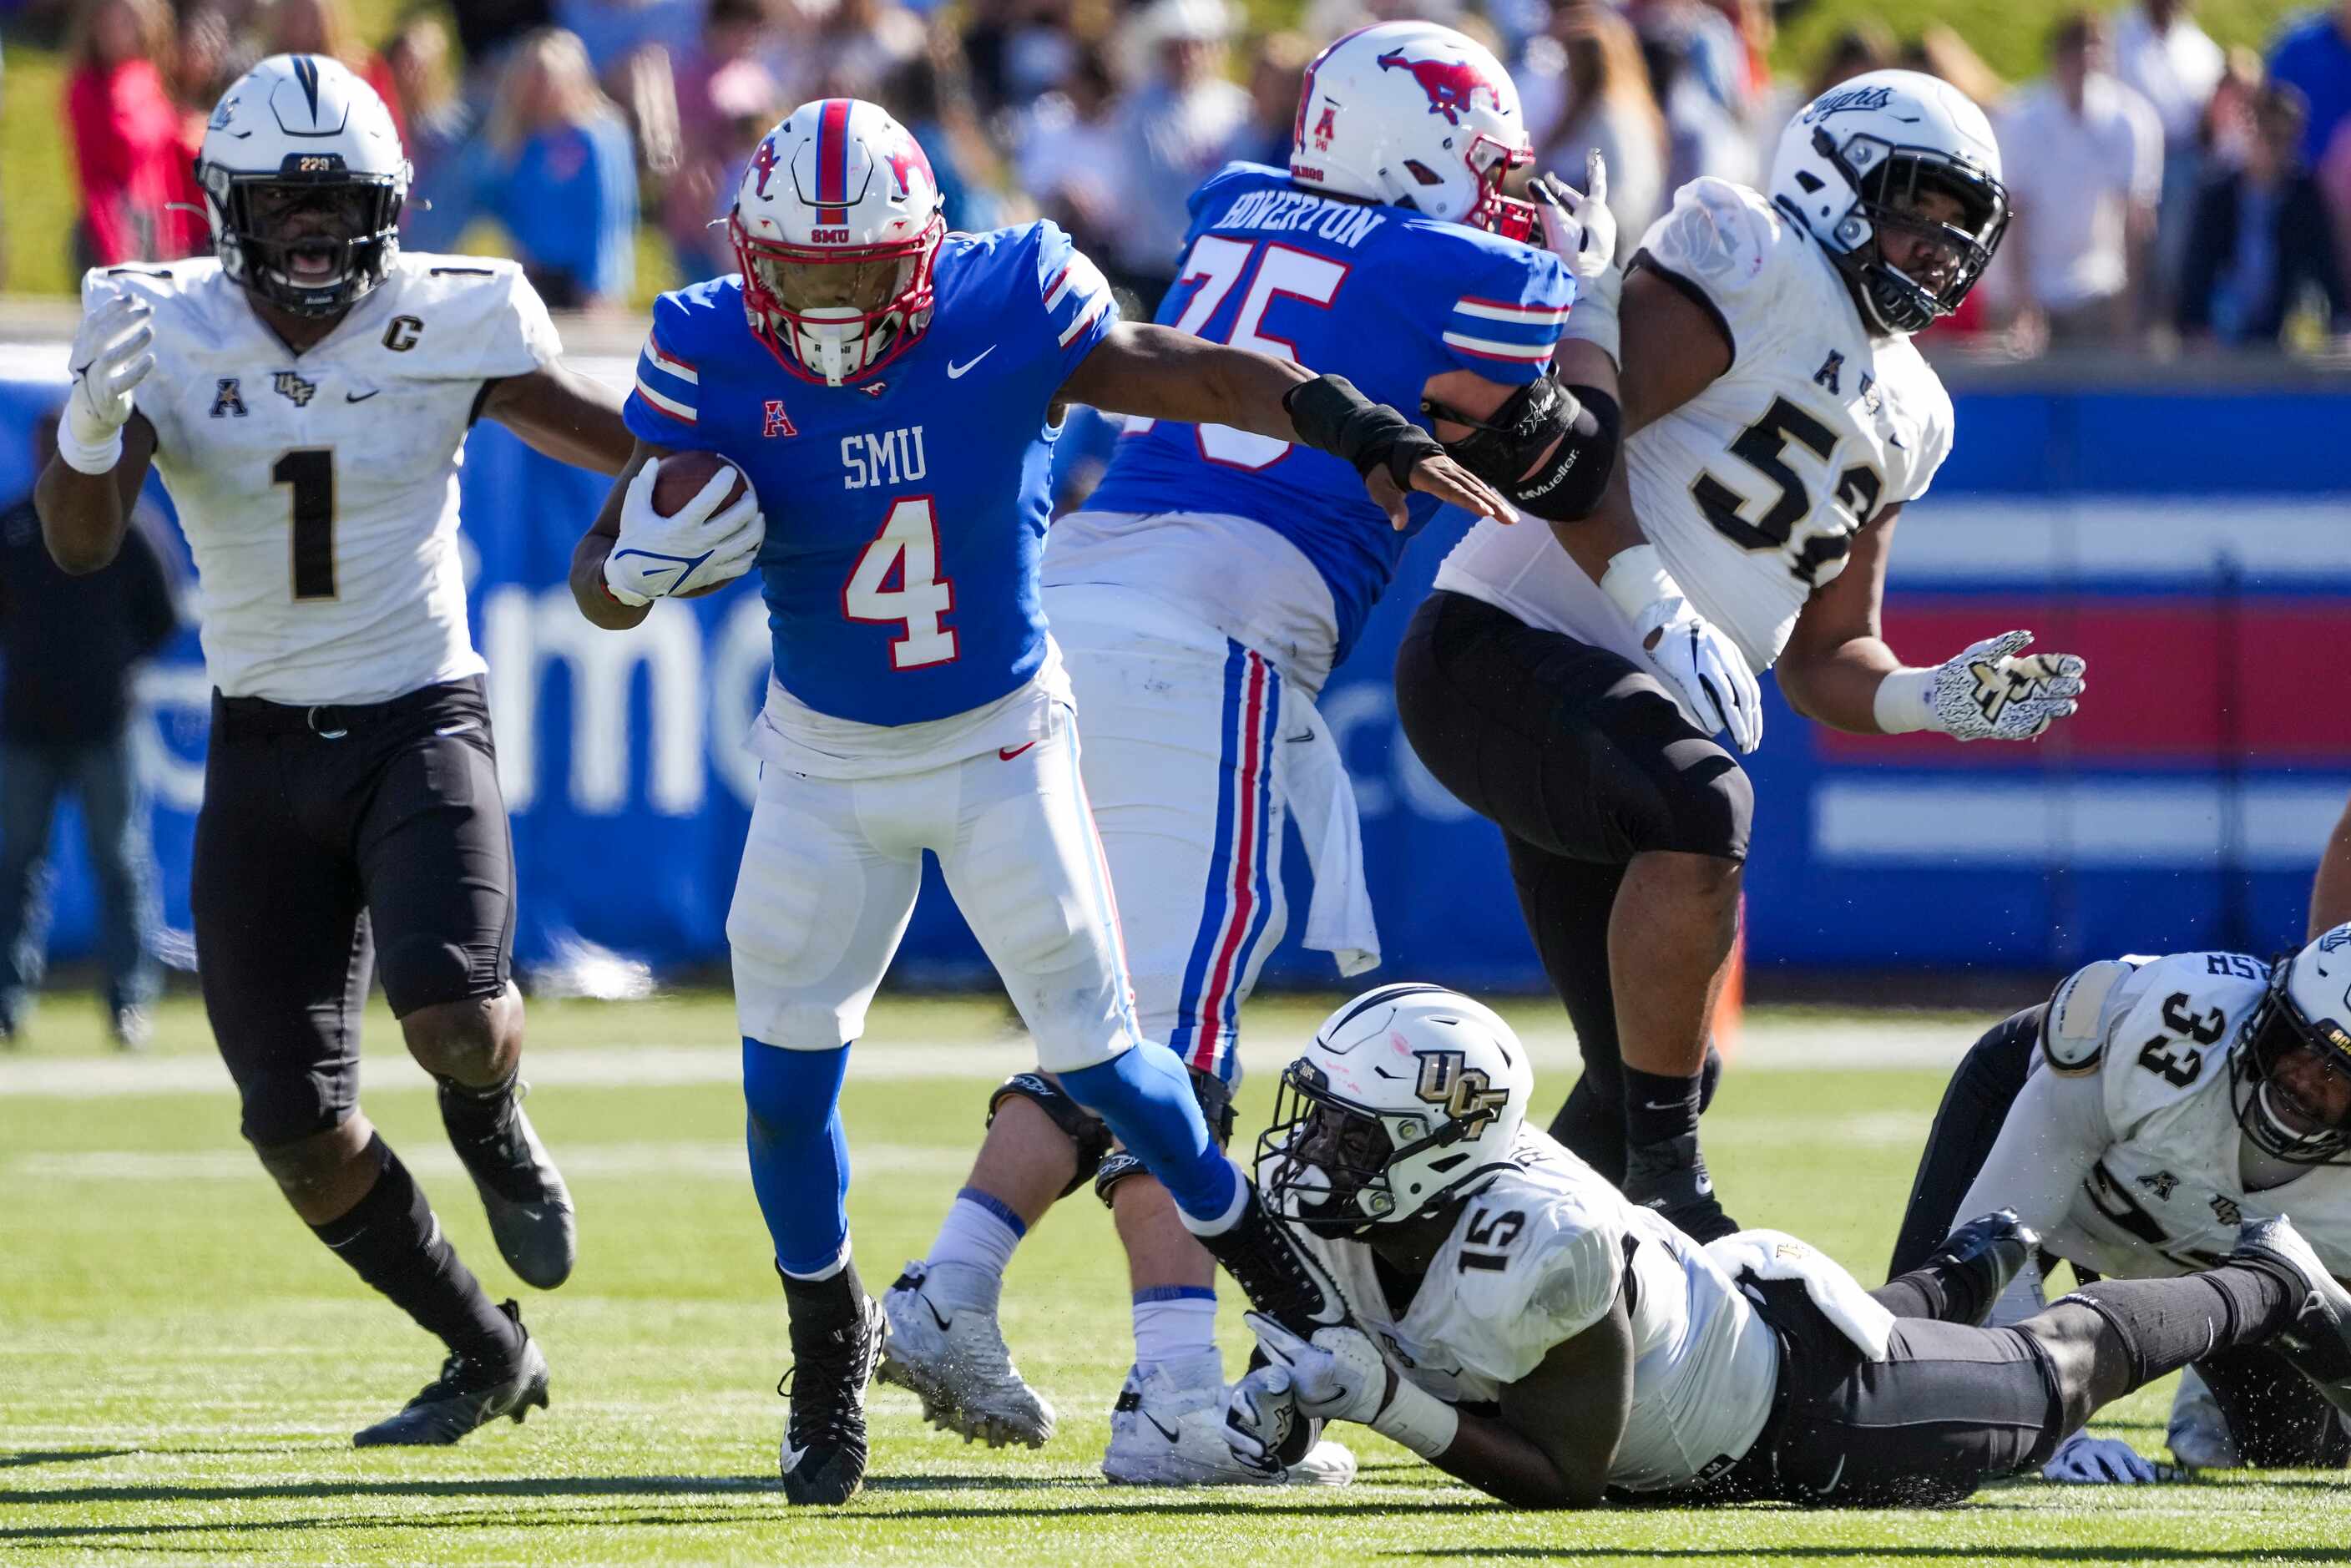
pixel 1752 490
pixel 318 491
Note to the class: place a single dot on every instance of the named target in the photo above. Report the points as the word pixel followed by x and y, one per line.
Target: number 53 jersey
pixel 1752 490
pixel 318 491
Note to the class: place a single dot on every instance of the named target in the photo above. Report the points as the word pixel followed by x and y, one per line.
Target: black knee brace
pixel 1216 1098
pixel 1090 1140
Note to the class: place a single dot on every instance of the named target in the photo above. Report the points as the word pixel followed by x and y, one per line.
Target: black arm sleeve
pixel 1577 426
pixel 1332 416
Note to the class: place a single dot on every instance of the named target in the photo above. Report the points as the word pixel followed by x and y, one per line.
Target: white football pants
pixel 832 867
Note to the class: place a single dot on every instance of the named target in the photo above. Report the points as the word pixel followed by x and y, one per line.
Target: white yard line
pixel 699 1157
pixel 1847 1042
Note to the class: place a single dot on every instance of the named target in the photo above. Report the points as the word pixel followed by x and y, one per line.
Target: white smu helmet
pixel 836 226
pixel 1418 116
pixel 303 178
pixel 1408 1095
pixel 2306 1008
pixel 1853 165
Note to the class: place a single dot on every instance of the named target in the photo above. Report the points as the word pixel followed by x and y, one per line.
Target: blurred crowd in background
pixel 2165 188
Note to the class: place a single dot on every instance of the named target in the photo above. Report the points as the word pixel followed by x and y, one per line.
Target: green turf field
pixel 181 1366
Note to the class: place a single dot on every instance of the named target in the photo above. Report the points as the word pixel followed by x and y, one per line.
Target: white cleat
pixel 952 1355
pixel 1167 1430
pixel 2199 1433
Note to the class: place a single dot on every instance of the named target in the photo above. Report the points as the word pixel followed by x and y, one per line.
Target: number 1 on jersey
pixel 907 548
pixel 311 471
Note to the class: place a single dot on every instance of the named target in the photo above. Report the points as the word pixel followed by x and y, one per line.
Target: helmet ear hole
pixel 1423 173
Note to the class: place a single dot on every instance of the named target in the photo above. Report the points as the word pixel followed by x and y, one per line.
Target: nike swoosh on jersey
pixel 955 371
pixel 1005 755
pixel 360 397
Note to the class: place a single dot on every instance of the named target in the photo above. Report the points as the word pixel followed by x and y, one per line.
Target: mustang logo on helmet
pixel 1452 86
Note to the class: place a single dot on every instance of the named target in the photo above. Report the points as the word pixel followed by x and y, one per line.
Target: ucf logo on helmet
pixel 1467 1095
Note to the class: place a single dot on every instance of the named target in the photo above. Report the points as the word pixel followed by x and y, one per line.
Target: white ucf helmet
pixel 2290 1068
pixel 303 179
pixel 1418 116
pixel 836 226
pixel 1903 157
pixel 1408 1095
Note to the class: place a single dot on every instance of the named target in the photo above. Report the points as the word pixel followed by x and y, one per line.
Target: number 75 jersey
pixel 318 491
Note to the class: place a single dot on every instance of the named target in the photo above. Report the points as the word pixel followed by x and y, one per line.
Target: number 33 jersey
pixel 318 491
pixel 2172 1176
pixel 1752 490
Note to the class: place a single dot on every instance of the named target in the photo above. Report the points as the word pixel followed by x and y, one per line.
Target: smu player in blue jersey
pixel 1204 595
pixel 892 392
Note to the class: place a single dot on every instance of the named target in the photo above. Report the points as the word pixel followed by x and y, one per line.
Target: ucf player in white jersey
pixel 1775 421
pixel 306 396
pixel 2135 1121
pixel 1519 1323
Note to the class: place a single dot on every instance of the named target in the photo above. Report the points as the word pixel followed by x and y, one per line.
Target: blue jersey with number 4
pixel 907 511
pixel 1380 294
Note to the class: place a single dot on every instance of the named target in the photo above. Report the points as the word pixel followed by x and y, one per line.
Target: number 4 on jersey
pixel 906 550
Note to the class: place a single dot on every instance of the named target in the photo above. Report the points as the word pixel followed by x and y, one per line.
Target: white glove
pixel 1261 1419
pixel 1581 231
pixel 1988 693
pixel 698 547
pixel 111 354
pixel 1702 664
pixel 2085 1461
pixel 1340 1375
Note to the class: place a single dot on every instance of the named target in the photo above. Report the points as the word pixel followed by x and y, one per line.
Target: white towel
pixel 1776 1255
pixel 1313 777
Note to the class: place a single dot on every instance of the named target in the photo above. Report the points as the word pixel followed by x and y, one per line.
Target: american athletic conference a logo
pixel 1452 86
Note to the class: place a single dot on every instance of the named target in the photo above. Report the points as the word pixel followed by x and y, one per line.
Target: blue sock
pixel 1146 1097
pixel 800 1157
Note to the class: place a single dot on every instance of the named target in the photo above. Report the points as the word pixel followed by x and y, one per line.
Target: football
pixel 679 479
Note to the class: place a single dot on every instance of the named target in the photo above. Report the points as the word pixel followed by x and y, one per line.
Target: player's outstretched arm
pixel 589 589
pixel 564 415
pixel 1158 372
pixel 1550 1447
pixel 1838 670
pixel 1560 1426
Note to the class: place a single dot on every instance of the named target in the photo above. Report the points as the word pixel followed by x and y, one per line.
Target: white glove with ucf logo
pixel 1993 691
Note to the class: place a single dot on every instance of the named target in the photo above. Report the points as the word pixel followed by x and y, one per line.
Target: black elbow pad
pixel 1578 426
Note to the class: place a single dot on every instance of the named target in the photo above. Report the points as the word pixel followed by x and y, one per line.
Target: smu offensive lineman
pixel 1519 1323
pixel 1203 596
pixel 2133 1120
pixel 892 392
pixel 306 398
pixel 1777 420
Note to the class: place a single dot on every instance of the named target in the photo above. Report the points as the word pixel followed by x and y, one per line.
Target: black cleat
pixel 1671 1177
pixel 1979 1258
pixel 1277 1276
pixel 823 1457
pixel 2318 1342
pixel 529 1207
pixel 468 1393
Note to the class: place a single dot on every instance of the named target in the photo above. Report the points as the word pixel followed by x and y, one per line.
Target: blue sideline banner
pixel 2196 546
